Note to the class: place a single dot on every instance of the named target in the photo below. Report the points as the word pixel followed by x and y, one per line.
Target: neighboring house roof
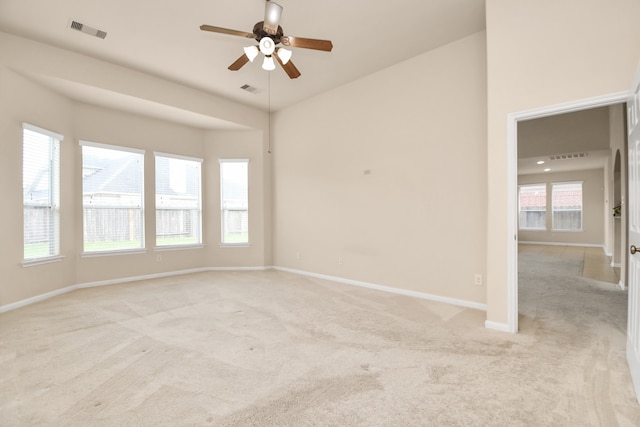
pixel 105 175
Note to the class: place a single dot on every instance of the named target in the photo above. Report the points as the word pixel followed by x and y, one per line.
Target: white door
pixel 633 320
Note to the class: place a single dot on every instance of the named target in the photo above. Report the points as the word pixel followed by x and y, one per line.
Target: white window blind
pixel 112 198
pixel 234 190
pixel 178 200
pixel 566 200
pixel 533 207
pixel 41 192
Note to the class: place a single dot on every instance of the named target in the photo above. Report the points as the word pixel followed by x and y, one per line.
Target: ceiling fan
pixel 269 35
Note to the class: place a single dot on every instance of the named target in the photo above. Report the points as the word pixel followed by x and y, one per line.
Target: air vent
pixel 569 156
pixel 79 26
pixel 249 88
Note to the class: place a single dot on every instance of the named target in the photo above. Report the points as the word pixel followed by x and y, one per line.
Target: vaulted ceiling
pixel 164 39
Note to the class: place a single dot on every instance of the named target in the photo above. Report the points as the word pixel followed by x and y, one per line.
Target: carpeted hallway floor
pixel 275 349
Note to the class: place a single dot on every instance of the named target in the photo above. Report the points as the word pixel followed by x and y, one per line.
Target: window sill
pixel 234 245
pixel 566 231
pixel 177 247
pixel 39 261
pixel 113 253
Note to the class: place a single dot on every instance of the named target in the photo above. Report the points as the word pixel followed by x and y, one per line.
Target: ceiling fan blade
pixel 291 70
pixel 227 31
pixel 239 63
pixel 316 44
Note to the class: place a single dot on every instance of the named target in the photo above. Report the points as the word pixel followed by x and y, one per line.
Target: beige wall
pixel 617 228
pixel 384 180
pixel 24 100
pixel 542 53
pixel 431 212
pixel 52 112
pixel 239 145
pixel 593 223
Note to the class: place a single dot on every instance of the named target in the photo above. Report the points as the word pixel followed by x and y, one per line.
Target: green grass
pixel 236 238
pixel 36 250
pixel 180 240
pixel 112 246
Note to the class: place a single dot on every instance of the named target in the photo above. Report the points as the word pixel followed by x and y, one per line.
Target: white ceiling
pixel 595 159
pixel 163 39
pixel 584 131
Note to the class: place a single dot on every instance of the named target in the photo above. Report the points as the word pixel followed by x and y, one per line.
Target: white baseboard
pixel 37 298
pixel 430 297
pixel 502 327
pixel 579 245
pixel 137 278
pixel 398 291
pixel 615 264
pixel 57 292
pixel 621 286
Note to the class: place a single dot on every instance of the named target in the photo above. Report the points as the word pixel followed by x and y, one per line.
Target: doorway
pixel 513 121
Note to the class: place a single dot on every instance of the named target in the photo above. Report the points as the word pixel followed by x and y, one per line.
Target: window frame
pixel 553 220
pixel 117 251
pixel 53 194
pixel 222 208
pixel 520 227
pixel 199 243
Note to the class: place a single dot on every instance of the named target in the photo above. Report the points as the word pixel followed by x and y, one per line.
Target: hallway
pixel 596 264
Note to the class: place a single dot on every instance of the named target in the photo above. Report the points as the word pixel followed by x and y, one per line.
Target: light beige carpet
pixel 276 349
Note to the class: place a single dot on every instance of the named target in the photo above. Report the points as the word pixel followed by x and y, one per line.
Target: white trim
pixel 37 298
pixel 234 245
pixel 233 160
pixel 239 268
pixel 113 253
pixel 414 294
pixel 166 248
pixel 579 245
pixel 497 326
pixel 512 182
pixel 137 278
pixel 46 132
pixel 39 261
pixel 430 297
pixel 616 264
pixel 621 286
pixel 177 157
pixel 84 143
pixel 57 292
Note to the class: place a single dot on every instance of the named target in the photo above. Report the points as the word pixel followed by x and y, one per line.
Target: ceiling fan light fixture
pixel 284 55
pixel 268 64
pixel 272 13
pixel 251 52
pixel 267 46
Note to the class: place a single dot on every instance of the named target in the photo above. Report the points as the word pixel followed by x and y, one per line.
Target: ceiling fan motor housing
pixel 260 33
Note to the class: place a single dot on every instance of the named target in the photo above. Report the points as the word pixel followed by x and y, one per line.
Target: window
pixel 112 198
pixel 533 207
pixel 234 178
pixel 40 192
pixel 566 202
pixel 178 200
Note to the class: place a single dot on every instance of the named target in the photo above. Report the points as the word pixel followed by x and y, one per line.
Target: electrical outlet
pixel 478 279
pixel 298 254
pixel 340 261
pixel 158 257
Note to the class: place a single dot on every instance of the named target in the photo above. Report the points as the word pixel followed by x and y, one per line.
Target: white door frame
pixel 512 183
